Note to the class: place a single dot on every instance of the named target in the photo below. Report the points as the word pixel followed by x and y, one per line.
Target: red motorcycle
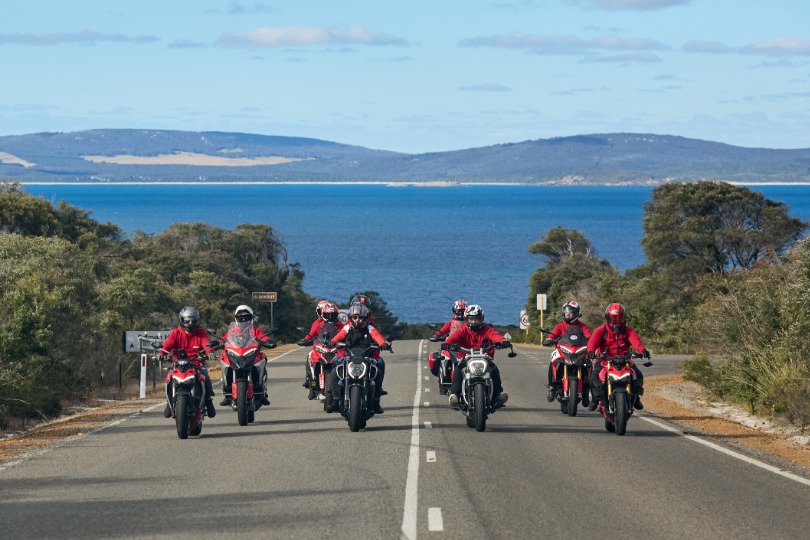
pixel 570 352
pixel 619 397
pixel 185 391
pixel 319 364
pixel 244 370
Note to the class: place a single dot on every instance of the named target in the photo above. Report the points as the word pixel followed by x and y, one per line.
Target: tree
pixel 560 243
pixel 714 227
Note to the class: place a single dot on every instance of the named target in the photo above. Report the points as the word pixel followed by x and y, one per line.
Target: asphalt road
pixel 417 471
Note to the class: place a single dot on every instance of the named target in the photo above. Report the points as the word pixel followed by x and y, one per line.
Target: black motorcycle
pixel 358 373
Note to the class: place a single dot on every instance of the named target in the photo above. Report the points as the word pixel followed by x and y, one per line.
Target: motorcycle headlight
pixel 233 354
pixel 619 378
pixel 357 370
pixel 477 367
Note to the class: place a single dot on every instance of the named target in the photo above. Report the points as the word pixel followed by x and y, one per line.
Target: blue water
pixel 419 247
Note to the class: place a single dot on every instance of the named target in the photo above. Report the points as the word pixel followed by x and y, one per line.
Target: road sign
pixel 524 319
pixel 541 302
pixel 132 339
pixel 264 296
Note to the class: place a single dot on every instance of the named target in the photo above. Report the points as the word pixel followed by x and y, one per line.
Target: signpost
pixel 268 298
pixel 524 321
pixel 141 342
pixel 541 307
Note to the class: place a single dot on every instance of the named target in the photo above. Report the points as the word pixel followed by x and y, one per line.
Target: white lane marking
pixel 426 378
pixel 428 425
pixel 430 456
pixel 409 513
pixel 435 521
pixel 728 452
pixel 427 389
pixel 426 404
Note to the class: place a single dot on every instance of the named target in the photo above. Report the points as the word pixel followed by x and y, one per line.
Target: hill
pixel 130 155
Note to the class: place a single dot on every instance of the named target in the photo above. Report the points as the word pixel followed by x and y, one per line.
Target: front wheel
pixel 355 412
pixel 480 412
pixel 573 386
pixel 242 403
pixel 620 417
pixel 181 415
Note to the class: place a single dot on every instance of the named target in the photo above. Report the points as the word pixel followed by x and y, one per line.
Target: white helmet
pixel 243 313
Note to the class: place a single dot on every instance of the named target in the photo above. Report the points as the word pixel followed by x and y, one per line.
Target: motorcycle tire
pixel 181 415
pixel 355 415
pixel 572 396
pixel 620 417
pixel 480 412
pixel 242 405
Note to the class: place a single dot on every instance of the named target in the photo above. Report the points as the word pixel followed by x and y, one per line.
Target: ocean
pixel 420 248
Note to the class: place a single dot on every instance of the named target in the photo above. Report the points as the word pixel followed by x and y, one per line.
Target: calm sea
pixel 419 247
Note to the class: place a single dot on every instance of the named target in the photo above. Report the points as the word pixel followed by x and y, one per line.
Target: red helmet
pixel 614 314
pixel 329 312
pixel 319 307
pixel 459 307
pixel 570 311
pixel 358 316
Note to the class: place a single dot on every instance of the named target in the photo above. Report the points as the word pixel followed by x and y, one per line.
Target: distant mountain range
pixel 136 155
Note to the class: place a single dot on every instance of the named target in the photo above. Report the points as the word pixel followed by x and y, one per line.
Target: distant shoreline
pixel 389 184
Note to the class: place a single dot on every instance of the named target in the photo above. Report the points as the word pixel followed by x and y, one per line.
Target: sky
pixel 414 77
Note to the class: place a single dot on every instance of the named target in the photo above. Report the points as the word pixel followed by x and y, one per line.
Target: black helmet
pixel 243 313
pixel 361 299
pixel 570 311
pixel 475 316
pixel 189 318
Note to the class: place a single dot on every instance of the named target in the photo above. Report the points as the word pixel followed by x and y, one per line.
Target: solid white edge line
pixel 410 512
pixel 728 452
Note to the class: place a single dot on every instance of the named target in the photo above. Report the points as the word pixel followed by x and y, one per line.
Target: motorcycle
pixel 319 364
pixel 244 369
pixel 620 397
pixel 475 401
pixel 358 372
pixel 441 362
pixel 570 351
pixel 185 391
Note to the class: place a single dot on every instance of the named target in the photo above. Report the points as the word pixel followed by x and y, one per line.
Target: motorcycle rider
pixel 362 299
pixel 328 315
pixel 476 334
pixel 459 306
pixel 358 333
pixel 244 314
pixel 614 338
pixel 189 335
pixel 570 315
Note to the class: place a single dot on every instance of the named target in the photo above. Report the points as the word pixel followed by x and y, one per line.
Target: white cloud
pixel 487 87
pixel 781 46
pixel 303 36
pixel 634 5
pixel 84 37
pixel 622 58
pixel 563 44
pixel 700 46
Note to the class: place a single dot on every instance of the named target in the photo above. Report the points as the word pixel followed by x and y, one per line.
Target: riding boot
pixel 638 405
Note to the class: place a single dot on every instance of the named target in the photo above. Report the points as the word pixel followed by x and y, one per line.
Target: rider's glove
pixel 269 343
pixel 304 342
pixel 434 339
pixel 548 342
pixel 506 344
pixel 645 353
pixel 445 347
pixel 385 346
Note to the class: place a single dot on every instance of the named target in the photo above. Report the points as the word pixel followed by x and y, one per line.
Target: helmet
pixel 475 316
pixel 319 307
pixel 243 313
pixel 570 311
pixel 361 299
pixel 614 314
pixel 358 315
pixel 329 312
pixel 189 318
pixel 459 306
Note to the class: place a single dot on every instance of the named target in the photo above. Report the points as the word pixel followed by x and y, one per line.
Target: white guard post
pixel 143 375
